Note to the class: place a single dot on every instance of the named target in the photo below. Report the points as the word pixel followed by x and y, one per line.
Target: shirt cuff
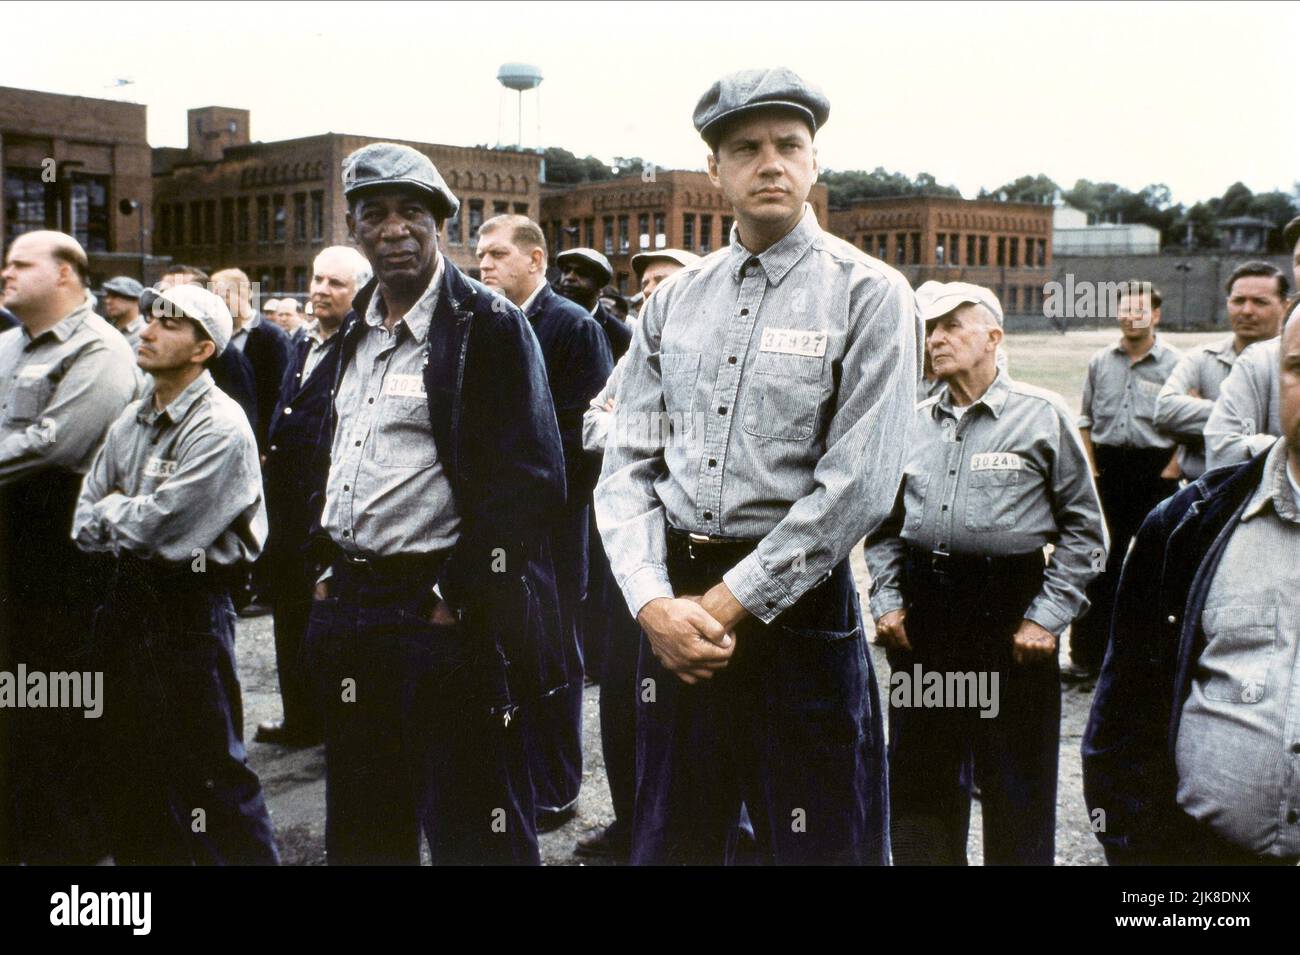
pixel 645 584
pixel 885 601
pixel 758 591
pixel 1084 422
pixel 1046 615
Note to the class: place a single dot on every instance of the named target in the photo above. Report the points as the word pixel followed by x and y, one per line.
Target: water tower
pixel 521 77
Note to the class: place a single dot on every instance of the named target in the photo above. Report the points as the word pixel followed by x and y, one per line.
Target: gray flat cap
pixel 680 256
pixel 749 90
pixel 1291 234
pixel 123 286
pixel 590 256
pixel 390 164
pixel 195 303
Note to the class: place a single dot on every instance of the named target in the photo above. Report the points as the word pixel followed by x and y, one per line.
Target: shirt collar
pixel 528 302
pixel 421 314
pixel 180 405
pixel 63 329
pixel 781 256
pixel 1275 489
pixel 312 332
pixel 135 325
pixel 994 397
pixel 1157 349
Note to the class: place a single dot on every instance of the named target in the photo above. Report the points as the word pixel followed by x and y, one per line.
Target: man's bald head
pixel 1289 384
pixel 46 274
pixel 336 274
pixel 235 288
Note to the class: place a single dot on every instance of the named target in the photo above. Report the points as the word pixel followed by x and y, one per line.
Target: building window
pixel 318 215
pixel 1042 253
pixel 263 218
pixel 521 208
pixel 916 248
pixel 1015 252
pixel 281 214
pixel 661 237
pixel 706 234
pixel 984 250
pixel 164 223
pixel 953 247
pixel 178 224
pixel 475 219
pixel 453 228
pixel 643 231
pixel 1002 250
pixel 227 221
pixel 688 231
pixel 575 230
pixel 210 221
pixel 900 248
pixel 196 222
pixel 243 230
pixel 29 205
pixel 622 283
pixel 940 247
pixel 1013 299
pixel 300 280
pixel 300 216
pixel 1029 299
pixel 277 280
pixel 90 212
pixel 589 233
pixel 624 243
pixel 500 208
pixel 970 250
pixel 882 247
pixel 557 235
pixel 608 223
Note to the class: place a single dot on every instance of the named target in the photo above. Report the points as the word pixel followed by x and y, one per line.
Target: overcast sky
pixel 1195 95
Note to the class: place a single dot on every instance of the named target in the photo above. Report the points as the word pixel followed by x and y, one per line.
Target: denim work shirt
pixel 1119 396
pixel 1247 418
pixel 59 392
pixel 387 491
pixel 1182 416
pixel 170 484
pixel 1009 477
pixel 767 398
pixel 1238 749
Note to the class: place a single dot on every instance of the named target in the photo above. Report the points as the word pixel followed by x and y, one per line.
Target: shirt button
pixel 731 360
pixel 347 533
pixel 708 515
pixel 952 473
pixel 1295 747
pixel 722 410
pixel 1292 816
pixel 273 447
pixel 744 311
pixel 771 605
pixel 713 462
pixel 370 401
pixel 945 507
pixel 1172 619
pixel 358 444
pixel 288 411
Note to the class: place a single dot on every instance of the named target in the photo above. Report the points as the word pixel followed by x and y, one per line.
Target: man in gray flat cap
pixel 786 367
pixel 175 497
pixel 962 598
pixel 583 274
pixel 122 307
pixel 436 623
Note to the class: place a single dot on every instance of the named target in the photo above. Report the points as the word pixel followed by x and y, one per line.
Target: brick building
pixel 620 217
pixel 269 208
pixel 67 163
pixel 1006 246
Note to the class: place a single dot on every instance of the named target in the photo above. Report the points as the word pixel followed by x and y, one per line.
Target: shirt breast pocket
pixel 404 438
pixel 914 488
pixel 784 396
pixel 991 499
pixel 1144 399
pixel 29 398
pixel 1234 666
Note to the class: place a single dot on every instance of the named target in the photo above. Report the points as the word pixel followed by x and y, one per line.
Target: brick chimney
pixel 214 129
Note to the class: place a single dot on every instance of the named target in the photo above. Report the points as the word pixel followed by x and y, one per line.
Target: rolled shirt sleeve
pixel 884 552
pixel 1084 421
pixel 855 482
pixel 596 420
pixel 1245 418
pixel 1178 414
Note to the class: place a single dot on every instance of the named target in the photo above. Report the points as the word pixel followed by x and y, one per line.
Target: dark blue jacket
pixel 578 363
pixel 269 352
pixel 290 473
pixel 7 319
pixel 494 425
pixel 617 331
pixel 233 374
pixel 1129 769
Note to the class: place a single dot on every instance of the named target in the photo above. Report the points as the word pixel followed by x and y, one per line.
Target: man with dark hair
pixel 263 343
pixel 583 273
pixel 1189 755
pixel 122 307
pixel 1187 399
pixel 231 371
pixel 512 258
pixel 175 496
pixel 784 371
pixel 437 619
pixel 1247 416
pixel 1131 459
pixel 65 375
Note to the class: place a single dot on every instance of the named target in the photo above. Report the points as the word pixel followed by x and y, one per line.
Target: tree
pixel 1038 188
pixel 845 186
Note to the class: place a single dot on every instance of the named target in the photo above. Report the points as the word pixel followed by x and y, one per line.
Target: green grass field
pixel 1059 362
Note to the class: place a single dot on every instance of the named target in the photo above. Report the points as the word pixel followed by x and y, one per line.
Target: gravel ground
pixel 295 786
